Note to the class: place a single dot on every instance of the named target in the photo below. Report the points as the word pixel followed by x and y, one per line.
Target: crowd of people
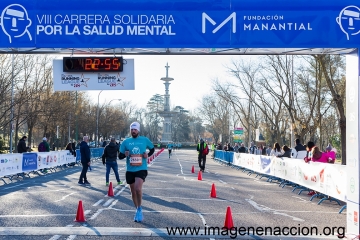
pixel 311 151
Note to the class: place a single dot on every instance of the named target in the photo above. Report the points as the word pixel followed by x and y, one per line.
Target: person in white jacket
pixel 276 151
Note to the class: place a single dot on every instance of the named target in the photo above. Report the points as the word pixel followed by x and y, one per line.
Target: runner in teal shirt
pixel 136 146
pixel 134 149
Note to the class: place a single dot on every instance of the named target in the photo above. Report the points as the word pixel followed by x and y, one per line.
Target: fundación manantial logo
pixel 15 22
pixel 349 20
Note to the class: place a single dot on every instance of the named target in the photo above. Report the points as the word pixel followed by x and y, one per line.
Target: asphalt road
pixel 44 207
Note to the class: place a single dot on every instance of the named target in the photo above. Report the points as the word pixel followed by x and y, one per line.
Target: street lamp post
pixel 12 104
pixel 97 120
pixel 249 118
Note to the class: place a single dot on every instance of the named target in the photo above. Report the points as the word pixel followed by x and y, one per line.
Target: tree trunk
pixel 340 106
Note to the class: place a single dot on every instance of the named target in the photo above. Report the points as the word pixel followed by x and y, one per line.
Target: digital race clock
pixel 92 64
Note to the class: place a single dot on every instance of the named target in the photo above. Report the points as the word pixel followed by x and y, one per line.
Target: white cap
pixel 44 139
pixel 135 125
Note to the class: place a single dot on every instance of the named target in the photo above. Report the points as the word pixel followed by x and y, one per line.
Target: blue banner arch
pixel 179 24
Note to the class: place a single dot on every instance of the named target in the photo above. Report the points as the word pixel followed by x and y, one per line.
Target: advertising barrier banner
pixel 10 164
pixel 329 179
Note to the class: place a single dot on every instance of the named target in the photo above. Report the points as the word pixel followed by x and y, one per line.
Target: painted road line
pixel 107 203
pixel 113 204
pixel 64 197
pixel 29 216
pixel 96 214
pixel 132 232
pixel 15 186
pixel 122 190
pixel 56 237
pixel 222 181
pixel 263 208
pixel 98 202
pixel 196 199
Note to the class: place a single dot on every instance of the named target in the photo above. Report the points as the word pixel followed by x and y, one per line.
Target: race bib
pixel 136 160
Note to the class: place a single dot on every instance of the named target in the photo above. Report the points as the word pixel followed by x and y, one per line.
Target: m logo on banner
pixel 207 17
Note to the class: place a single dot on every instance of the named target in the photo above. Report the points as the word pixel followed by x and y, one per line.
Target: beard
pixel 134 135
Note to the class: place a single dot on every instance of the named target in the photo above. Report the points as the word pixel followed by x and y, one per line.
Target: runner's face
pixel 134 133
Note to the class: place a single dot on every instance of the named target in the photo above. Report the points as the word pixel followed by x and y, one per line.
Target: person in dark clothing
pixel 299 146
pixel 287 152
pixel 242 149
pixel 21 147
pixel 104 144
pixel 109 158
pixel 201 148
pixel 229 148
pixel 70 148
pixel 85 160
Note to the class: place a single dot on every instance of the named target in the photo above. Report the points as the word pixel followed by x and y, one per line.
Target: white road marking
pixel 64 197
pixel 113 204
pixel 56 237
pixel 181 168
pixel 42 215
pixel 98 202
pixel 222 181
pixel 197 199
pixel 263 208
pixel 107 203
pixel 15 186
pixel 122 190
pixel 96 214
pixel 202 218
pixel 135 233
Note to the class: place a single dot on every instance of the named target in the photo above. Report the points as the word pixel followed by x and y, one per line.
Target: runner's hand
pixel 126 153
pixel 145 155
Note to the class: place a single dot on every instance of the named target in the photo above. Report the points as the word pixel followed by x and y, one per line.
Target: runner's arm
pixel 121 155
pixel 151 152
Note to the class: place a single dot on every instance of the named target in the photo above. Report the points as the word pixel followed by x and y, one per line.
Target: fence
pixel 328 180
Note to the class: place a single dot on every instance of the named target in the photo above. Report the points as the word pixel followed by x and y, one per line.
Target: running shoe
pixel 107 184
pixel 86 182
pixel 136 217
pixel 120 183
pixel 140 214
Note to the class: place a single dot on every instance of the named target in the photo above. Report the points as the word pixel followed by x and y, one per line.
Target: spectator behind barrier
pixel 331 154
pixel 276 151
pixel 21 147
pixel 317 155
pixel 309 147
pixel 242 149
pixel 287 152
pixel 252 148
pixel 299 146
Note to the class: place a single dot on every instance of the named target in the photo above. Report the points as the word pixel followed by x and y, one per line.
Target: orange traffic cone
pixel 213 191
pixel 200 176
pixel 80 216
pixel 193 169
pixel 110 191
pixel 228 219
